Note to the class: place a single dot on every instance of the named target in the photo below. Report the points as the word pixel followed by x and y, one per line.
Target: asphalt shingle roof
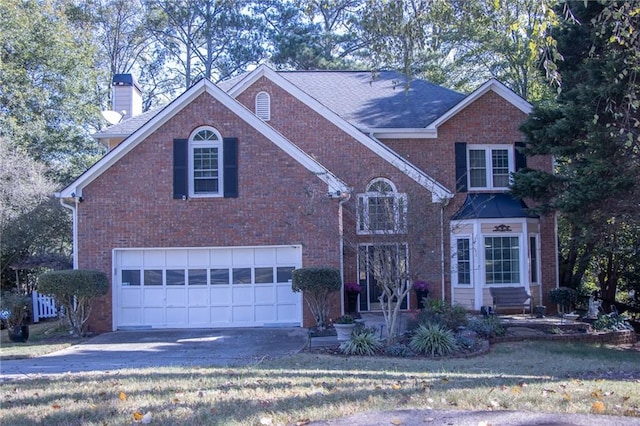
pixel 379 100
pixel 362 98
pixel 492 206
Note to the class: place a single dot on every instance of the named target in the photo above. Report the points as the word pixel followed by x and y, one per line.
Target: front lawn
pixel 535 376
pixel 44 337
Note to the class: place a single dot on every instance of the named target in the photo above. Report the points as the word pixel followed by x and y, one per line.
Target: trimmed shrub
pixel 434 340
pixel 363 341
pixel 317 284
pixel 438 312
pixel 487 327
pixel 565 297
pixel 74 289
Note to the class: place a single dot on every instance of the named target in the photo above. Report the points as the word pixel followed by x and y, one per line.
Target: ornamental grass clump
pixel 434 340
pixel 363 341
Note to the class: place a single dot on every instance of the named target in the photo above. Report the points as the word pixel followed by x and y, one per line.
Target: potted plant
pixel 344 325
pixel 564 297
pixel 421 288
pixel 16 309
pixel 352 290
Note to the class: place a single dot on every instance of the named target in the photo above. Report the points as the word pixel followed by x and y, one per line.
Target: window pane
pixel 130 277
pixel 199 277
pixel 264 275
pixel 242 275
pixel 153 277
pixel 219 276
pixel 502 256
pixel 380 186
pixel 381 213
pixel 464 261
pixel 284 273
pixel 477 168
pixel 500 167
pixel 175 277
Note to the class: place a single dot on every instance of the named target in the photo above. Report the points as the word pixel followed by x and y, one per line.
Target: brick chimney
pixel 127 96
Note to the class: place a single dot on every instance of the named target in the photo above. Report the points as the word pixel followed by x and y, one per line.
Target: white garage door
pixel 210 287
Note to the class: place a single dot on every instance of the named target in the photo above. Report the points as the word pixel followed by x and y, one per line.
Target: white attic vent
pixel 263 106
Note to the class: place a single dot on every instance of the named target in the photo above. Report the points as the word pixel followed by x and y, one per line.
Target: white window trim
pixel 363 206
pixel 206 144
pixel 454 260
pixel 487 148
pixel 263 106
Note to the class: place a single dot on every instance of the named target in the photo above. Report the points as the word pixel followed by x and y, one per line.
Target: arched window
pixel 205 163
pixel 382 209
pixel 263 106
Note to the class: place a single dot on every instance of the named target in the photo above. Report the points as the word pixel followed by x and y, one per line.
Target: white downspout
pixel 74 212
pixel 442 272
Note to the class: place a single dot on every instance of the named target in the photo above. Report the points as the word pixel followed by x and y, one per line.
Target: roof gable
pixel 439 192
pixel 335 185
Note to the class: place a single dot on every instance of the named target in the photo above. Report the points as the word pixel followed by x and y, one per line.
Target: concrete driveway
pixel 149 348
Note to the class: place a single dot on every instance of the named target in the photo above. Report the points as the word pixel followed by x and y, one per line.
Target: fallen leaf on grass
pixel 625 399
pixel 123 396
pixel 597 407
pixel 515 390
pixel 175 400
pixel 396 422
pixel 566 396
pixel 137 416
pixel 597 394
pixel 395 386
pixel 303 422
pixel 56 407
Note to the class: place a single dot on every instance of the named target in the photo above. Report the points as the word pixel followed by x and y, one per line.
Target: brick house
pixel 201 209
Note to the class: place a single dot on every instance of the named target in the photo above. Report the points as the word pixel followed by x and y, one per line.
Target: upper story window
pixel 490 166
pixel 263 106
pixel 205 163
pixel 381 209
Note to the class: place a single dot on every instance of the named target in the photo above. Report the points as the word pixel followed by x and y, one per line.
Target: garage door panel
pixel 220 296
pixel 198 296
pixel 176 297
pixel 242 295
pixel 131 298
pixel 205 287
pixel 264 295
pixel 265 313
pixel 153 297
pixel 199 315
pixel 176 316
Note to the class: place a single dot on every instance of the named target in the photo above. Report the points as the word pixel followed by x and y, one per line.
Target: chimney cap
pixel 125 80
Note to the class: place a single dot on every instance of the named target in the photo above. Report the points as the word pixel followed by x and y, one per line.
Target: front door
pixel 379 263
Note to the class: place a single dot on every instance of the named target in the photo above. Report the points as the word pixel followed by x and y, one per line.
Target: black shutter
pixel 180 171
pixel 230 161
pixel 461 167
pixel 521 158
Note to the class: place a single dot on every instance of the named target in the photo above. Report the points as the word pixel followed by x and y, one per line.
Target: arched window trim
pixel 204 142
pixel 263 106
pixel 381 212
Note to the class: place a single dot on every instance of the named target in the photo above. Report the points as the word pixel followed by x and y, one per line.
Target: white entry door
pixel 206 287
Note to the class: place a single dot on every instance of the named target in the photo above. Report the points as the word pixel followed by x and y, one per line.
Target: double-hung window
pixel 205 163
pixel 381 209
pixel 490 166
pixel 463 261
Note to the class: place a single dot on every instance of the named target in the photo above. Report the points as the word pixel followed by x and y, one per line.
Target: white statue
pixel 594 307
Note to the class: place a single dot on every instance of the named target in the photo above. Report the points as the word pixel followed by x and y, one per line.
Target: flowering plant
pixel 352 288
pixel 420 285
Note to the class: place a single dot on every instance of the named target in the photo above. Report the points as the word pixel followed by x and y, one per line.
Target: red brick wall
pixel 131 204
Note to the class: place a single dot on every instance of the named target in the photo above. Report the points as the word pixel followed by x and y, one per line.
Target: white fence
pixel 43 306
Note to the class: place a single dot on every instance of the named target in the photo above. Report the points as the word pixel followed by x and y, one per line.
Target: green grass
pixel 44 337
pixel 533 376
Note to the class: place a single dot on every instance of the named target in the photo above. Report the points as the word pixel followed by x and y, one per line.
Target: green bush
pixel 363 341
pixel 439 312
pixel 17 307
pixel 399 350
pixel 74 289
pixel 565 297
pixel 487 327
pixel 317 284
pixel 433 339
